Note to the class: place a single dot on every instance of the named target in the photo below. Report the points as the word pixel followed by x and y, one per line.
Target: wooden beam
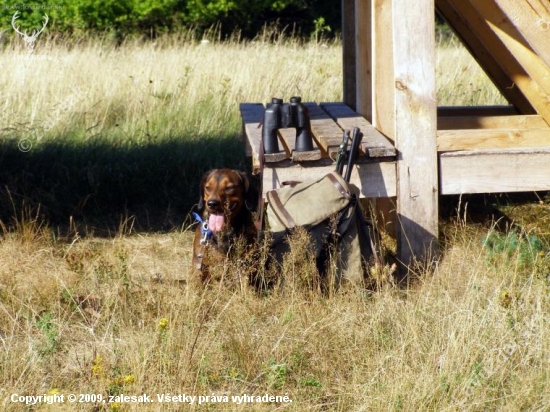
pixel 374 143
pixel 363 53
pixel 475 33
pixel 490 122
pixel 348 53
pixel 495 171
pixel 383 99
pixel 383 106
pixel 532 19
pixel 453 140
pixel 476 111
pixel 529 71
pixel 415 129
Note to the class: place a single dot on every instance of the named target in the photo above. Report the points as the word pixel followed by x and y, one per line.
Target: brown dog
pixel 225 214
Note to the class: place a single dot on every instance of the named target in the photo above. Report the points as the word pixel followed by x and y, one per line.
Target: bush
pixel 152 17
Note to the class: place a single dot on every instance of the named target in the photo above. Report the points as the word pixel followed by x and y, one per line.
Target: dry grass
pixel 140 92
pixel 140 89
pixel 120 314
pixel 460 80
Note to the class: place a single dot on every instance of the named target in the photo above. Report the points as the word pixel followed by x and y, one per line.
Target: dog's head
pixel 224 195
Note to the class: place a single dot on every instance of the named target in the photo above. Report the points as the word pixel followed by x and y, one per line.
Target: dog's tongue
pixel 215 222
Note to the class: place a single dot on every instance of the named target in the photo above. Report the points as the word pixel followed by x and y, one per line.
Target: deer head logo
pixel 29 39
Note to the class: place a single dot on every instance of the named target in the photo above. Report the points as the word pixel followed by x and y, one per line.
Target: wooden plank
pixel 374 144
pixel 289 137
pixel 532 19
pixel 326 132
pixel 373 179
pixel 476 111
pixel 453 140
pixel 348 52
pixel 537 85
pixel 415 129
pixel 383 99
pixel 490 122
pixel 252 116
pixel 363 57
pixel 494 171
pixel 494 60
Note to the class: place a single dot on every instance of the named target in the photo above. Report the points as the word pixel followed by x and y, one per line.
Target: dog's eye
pixel 208 189
pixel 230 190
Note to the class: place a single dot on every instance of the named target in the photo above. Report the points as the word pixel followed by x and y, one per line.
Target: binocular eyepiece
pixel 279 115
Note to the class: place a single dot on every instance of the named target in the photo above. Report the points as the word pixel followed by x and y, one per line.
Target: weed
pixel 311 382
pixel 513 248
pixel 49 329
pixel 276 374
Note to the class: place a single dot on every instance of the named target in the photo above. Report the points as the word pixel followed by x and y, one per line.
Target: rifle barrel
pixel 357 136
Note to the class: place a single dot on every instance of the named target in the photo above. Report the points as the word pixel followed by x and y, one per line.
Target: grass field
pixel 95 295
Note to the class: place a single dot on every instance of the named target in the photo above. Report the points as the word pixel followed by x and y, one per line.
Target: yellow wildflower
pixel 115 406
pixel 163 323
pixel 97 366
pixel 129 379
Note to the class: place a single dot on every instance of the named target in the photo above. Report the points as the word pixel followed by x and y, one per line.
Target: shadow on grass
pixel 96 186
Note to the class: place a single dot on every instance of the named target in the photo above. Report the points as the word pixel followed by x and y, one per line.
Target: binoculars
pixel 279 115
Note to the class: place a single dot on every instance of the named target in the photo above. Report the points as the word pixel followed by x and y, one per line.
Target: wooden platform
pixel 480 150
pixel 375 171
pixel 414 149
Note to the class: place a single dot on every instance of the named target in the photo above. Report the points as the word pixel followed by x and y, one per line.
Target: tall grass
pixel 96 130
pixel 130 129
pixel 460 80
pixel 121 315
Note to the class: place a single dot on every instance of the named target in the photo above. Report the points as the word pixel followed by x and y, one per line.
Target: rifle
pixel 348 156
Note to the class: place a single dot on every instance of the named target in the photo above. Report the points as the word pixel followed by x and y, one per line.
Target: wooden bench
pixel 479 150
pixel 375 171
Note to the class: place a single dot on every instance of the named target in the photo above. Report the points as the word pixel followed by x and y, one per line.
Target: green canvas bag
pixel 328 209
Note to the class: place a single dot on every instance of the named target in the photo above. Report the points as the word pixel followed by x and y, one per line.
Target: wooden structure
pixel 413 149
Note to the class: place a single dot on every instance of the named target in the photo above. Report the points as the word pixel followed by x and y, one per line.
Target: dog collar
pixel 205 232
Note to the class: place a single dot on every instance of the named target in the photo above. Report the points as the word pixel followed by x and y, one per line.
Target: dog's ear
pixel 250 193
pixel 244 178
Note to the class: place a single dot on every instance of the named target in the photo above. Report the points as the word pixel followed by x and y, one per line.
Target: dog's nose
pixel 213 203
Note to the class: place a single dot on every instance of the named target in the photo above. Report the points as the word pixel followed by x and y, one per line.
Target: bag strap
pixel 339 187
pixel 274 199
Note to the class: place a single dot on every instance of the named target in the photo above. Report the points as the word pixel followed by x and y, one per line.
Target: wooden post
pixel 383 116
pixel 348 52
pixel 415 129
pixel 363 58
pixel 383 99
